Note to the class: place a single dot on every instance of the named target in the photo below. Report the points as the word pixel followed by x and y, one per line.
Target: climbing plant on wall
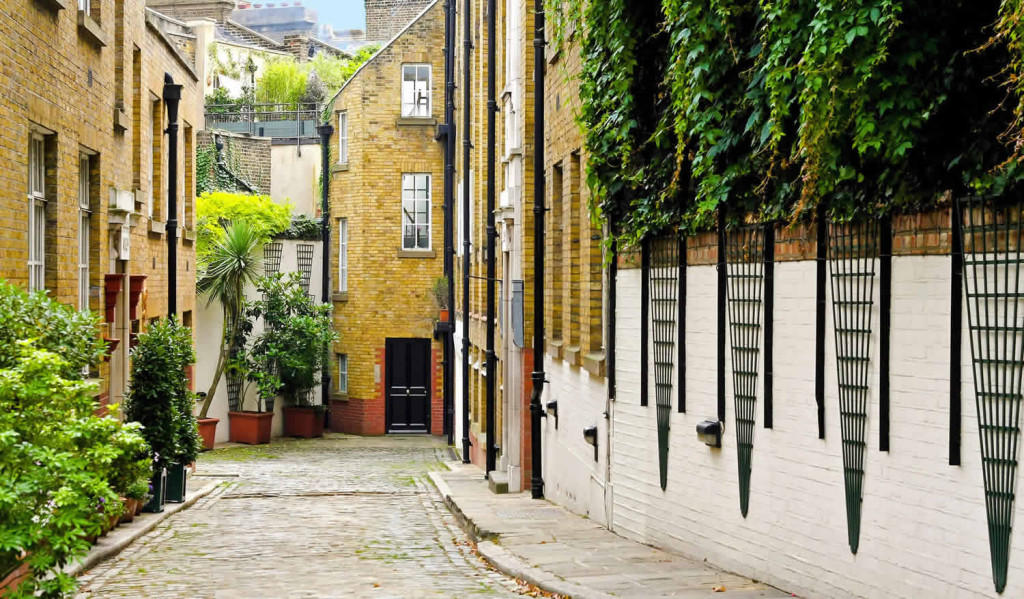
pixel 775 106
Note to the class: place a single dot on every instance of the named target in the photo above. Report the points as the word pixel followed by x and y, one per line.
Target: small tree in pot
pixel 291 352
pixel 159 399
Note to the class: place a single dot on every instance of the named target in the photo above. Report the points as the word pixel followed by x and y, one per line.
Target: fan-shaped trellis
pixel 272 258
pixel 664 281
pixel 745 275
pixel 991 237
pixel 853 248
pixel 305 262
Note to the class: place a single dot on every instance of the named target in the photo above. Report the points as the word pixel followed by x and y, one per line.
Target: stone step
pixel 498 482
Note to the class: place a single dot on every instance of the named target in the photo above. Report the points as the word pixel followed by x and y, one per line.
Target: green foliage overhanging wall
pixel 773 107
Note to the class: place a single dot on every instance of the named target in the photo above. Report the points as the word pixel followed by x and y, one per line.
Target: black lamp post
pixel 172 97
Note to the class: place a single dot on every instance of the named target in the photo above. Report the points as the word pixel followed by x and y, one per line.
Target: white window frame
pixel 84 6
pixel 342 373
pixel 36 212
pixel 84 222
pixel 342 255
pixel 417 100
pixel 343 137
pixel 465 229
pixel 410 189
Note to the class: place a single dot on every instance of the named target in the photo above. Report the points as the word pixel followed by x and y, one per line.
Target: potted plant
pixel 293 347
pixel 253 427
pixel 232 262
pixel 131 467
pixel 160 402
pixel 441 297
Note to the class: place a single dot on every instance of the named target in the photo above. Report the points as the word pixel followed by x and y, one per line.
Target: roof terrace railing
pixel 286 121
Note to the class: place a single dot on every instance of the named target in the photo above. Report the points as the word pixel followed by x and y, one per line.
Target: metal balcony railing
pixel 288 121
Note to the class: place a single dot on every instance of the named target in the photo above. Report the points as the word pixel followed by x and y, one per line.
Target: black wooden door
pixel 407 368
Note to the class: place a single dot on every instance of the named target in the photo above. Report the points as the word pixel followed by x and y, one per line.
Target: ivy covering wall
pixel 775 107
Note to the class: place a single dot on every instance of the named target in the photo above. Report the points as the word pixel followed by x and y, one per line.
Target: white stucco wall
pixel 209 324
pixel 294 175
pixel 923 531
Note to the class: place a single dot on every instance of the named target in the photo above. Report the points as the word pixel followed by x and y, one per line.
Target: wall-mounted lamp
pixel 710 432
pixel 552 409
pixel 590 436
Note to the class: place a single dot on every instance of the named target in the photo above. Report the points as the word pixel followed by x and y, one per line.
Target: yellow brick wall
pixel 56 77
pixel 388 289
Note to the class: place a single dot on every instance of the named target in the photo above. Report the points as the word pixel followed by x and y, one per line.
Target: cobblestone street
pixel 335 517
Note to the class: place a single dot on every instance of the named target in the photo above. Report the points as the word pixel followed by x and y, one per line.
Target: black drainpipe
pixel 537 376
pixel 492 236
pixel 325 131
pixel 172 96
pixel 449 205
pixel 467 45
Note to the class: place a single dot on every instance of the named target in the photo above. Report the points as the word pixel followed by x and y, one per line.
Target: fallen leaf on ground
pixel 718 589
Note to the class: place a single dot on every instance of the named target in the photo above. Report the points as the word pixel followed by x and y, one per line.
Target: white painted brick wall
pixel 923 531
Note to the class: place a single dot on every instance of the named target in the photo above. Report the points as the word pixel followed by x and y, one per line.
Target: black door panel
pixel 407 368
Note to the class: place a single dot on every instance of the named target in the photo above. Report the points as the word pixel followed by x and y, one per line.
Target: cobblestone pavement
pixel 335 517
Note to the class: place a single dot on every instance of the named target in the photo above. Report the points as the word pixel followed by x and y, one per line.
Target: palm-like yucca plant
pixel 234 262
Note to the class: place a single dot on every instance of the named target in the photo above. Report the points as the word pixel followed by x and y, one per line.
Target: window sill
pixel 339 168
pixel 339 397
pixel 54 4
pixel 416 121
pixel 91 30
pixel 594 363
pixel 189 236
pixel 157 227
pixel 416 254
pixel 340 297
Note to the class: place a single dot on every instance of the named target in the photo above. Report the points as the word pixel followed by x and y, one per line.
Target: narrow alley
pixel 340 516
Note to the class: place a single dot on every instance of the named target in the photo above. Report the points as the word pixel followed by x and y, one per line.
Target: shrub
pixel 267 217
pixel 291 351
pixel 60 462
pixel 159 398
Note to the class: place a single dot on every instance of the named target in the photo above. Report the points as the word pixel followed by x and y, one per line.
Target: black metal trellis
pixel 745 276
pixel 853 248
pixel 272 258
pixel 645 301
pixel 664 282
pixel 681 329
pixel 769 325
pixel 990 237
pixel 233 377
pixel 956 300
pixel 304 254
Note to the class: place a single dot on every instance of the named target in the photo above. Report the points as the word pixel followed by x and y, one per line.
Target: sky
pixel 341 14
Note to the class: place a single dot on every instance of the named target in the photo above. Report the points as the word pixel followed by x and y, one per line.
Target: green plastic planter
pixel 176 483
pixel 159 491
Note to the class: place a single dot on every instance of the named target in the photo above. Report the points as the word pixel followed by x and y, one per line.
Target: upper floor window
pixel 416 90
pixel 84 224
pixel 36 213
pixel 342 138
pixel 416 211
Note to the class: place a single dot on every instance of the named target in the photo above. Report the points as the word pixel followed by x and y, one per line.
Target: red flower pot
pixel 15 578
pixel 303 422
pixel 112 284
pixel 130 505
pixel 208 431
pixel 252 428
pixel 443 317
pixel 136 285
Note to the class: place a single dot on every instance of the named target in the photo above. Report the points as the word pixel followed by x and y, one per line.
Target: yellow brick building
pixel 574 274
pixel 83 197
pixel 386 189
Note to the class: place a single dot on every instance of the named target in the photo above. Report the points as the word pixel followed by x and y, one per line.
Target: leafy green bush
pixel 159 398
pixel 291 351
pixel 267 217
pixel 61 465
pixel 303 227
pixel 281 81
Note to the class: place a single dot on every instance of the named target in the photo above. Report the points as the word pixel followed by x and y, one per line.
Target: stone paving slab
pixel 335 517
pixel 561 552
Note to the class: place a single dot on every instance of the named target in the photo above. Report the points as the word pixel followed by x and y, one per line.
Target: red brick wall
pixel 526 455
pixel 358 416
pixel 436 391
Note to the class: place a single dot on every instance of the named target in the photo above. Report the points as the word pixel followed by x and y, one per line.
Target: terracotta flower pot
pixel 303 422
pixel 443 316
pixel 130 505
pixel 252 428
pixel 208 431
pixel 16 577
pixel 136 284
pixel 112 285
